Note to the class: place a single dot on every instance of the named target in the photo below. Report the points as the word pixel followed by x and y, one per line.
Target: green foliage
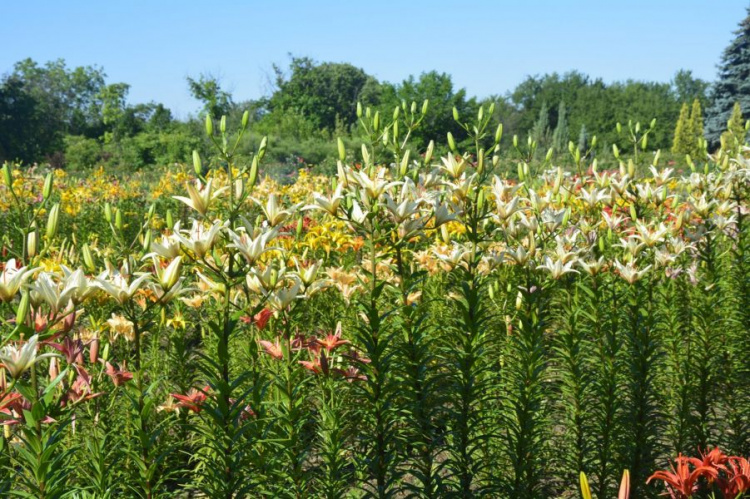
pixel 731 87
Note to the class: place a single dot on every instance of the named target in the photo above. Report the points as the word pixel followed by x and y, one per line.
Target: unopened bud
pixel 359 109
pixel 451 142
pixel 32 243
pixel 428 153
pixel 118 219
pixel 245 119
pixel 170 219
pixel 404 163
pixel 223 124
pixel 253 172
pixel 425 106
pixel 108 212
pixel 7 176
pixel 52 221
pixel 342 149
pixel 548 157
pixel 88 259
pixel 209 126
pixel 262 148
pixel 455 113
pixel 618 127
pixel 197 163
pixel 23 308
pixel 47 190
pixel 498 133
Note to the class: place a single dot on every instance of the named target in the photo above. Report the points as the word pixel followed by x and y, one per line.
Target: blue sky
pixel 487 46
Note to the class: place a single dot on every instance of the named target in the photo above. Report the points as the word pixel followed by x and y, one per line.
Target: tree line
pixel 74 117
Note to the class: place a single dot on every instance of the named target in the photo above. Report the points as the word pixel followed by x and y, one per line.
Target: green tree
pixel 207 89
pixel 540 132
pixel 683 133
pixel 735 129
pixel 325 94
pixel 438 89
pixel 733 84
pixel 696 128
pixel 19 123
pixel 560 136
pixel 113 101
pixel 687 87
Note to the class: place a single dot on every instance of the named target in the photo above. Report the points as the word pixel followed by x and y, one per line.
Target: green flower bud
pixel 359 109
pixel 451 142
pixel 425 106
pixel 197 163
pixel 657 156
pixel 638 127
pixel 413 107
pixel 480 161
pixel 7 176
pixel 23 308
pixel 455 113
pixel 644 142
pixel 108 212
pixel 147 240
pixel 396 111
pixel 429 152
pixel 653 123
pixel 32 243
pixel 223 124
pixel 616 151
pixel 170 220
pixel 209 126
pixel 520 172
pixel 515 141
pixel 342 149
pixel 88 259
pixel 52 221
pixel 498 133
pixel 245 119
pixel 618 127
pixel 300 226
pixel 262 148
pixel 253 172
pixel 365 155
pixel 548 157
pixel 47 191
pixel 404 163
pixel 480 114
pixel 376 121
pixel 118 219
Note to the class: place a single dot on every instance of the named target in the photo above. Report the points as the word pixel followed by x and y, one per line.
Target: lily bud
pixel 239 188
pixel 480 200
pixel 616 151
pixel 585 490
pixel 108 212
pixel 633 212
pixel 498 133
pixel 595 166
pixel 413 107
pixel 571 147
pixel 425 106
pixel 365 155
pixel 342 149
pixel 480 114
pixel 404 163
pixel 52 220
pixel 618 127
pixel 209 126
pixel 253 172
pixel 428 153
pixel 455 113
pixel 88 259
pixel 558 180
pixel 396 111
pixel 451 142
pixel 170 219
pixel 593 142
pixel 262 148
pixel 223 124
pixel 550 152
pixel 197 163
pixel 657 156
pixel 32 241
pixel 359 109
pixel 480 161
pixel 515 140
pixel 300 226
pixel 23 308
pixel 520 172
pixel 245 119
pixel 376 121
pixel 118 219
pixel 644 142
pixel 147 240
pixel 7 176
pixel 638 127
pixel 653 123
pixel 47 191
pixel 631 168
pixel 445 234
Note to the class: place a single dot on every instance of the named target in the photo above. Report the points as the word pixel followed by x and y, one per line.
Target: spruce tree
pixel 696 129
pixel 733 84
pixel 683 134
pixel 560 135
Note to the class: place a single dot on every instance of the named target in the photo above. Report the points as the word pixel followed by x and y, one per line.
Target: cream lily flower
pixel 200 240
pixel 557 268
pixel 167 277
pixel 12 278
pixel 454 167
pixel 251 248
pixel 117 286
pixel 274 214
pixel 167 246
pixel 19 360
pixel 45 290
pixel 283 297
pixel 329 205
pixel 200 196
pixel 629 272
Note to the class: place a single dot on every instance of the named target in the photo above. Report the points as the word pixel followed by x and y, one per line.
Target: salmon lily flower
pixel 273 349
pixel 119 376
pixel 332 341
pixel 682 481
pixel 193 400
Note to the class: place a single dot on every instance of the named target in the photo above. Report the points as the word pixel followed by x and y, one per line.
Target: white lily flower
pixel 329 205
pixel 557 268
pixel 630 272
pixel 200 240
pixel 19 360
pixel 274 214
pixel 200 196
pixel 12 278
pixel 117 286
pixel 454 167
pixel 251 248
pixel 283 297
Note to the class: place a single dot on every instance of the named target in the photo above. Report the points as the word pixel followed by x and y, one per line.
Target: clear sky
pixel 487 46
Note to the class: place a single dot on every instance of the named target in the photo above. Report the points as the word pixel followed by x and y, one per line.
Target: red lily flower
pixel 193 400
pixel 332 341
pixel 737 481
pixel 80 390
pixel 119 377
pixel 71 349
pixel 682 482
pixel 261 318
